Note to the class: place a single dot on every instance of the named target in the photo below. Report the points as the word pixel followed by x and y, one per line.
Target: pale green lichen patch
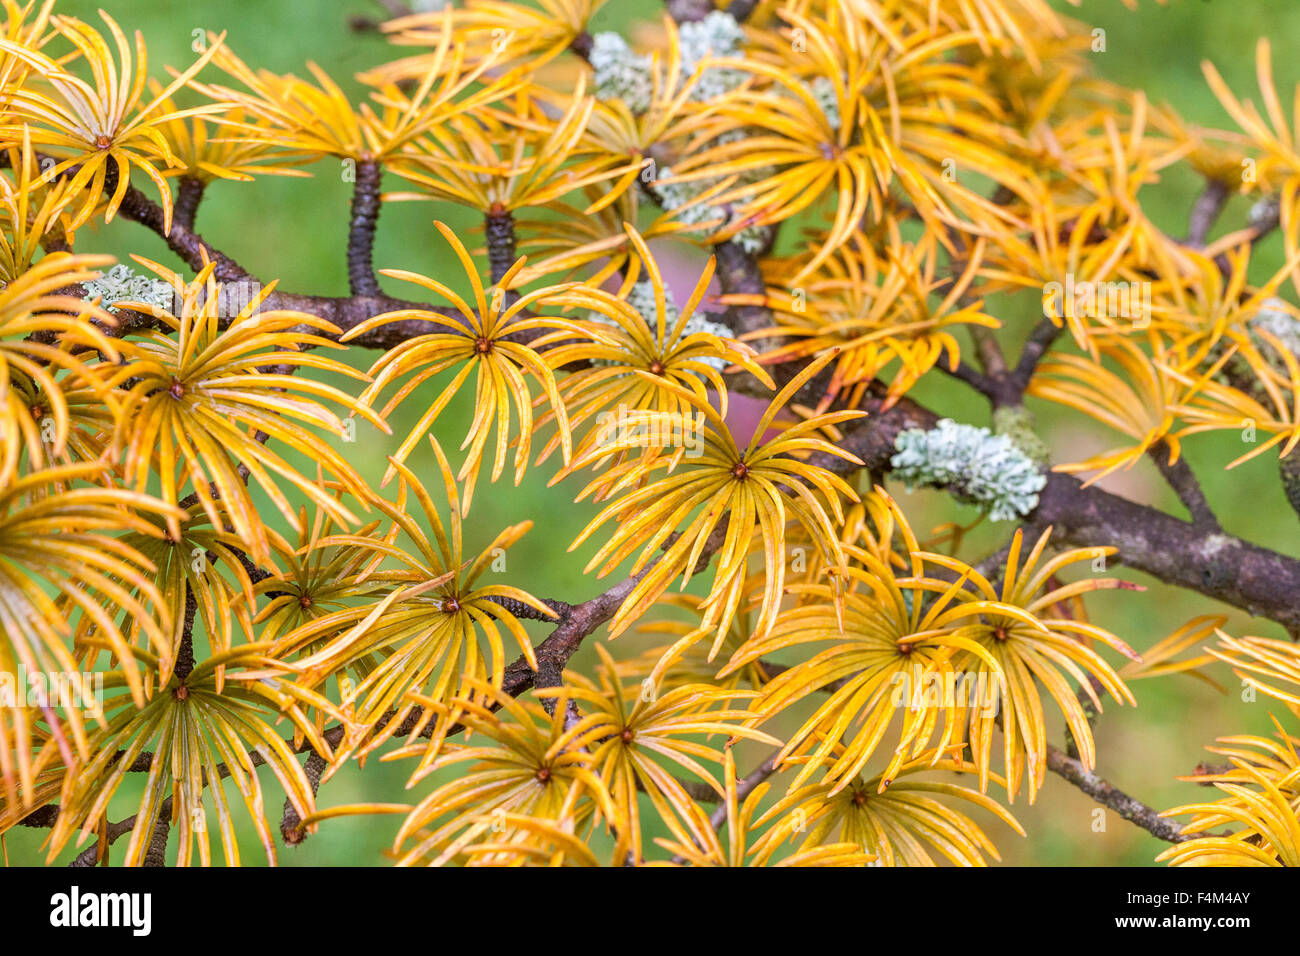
pixel 974 465
pixel 120 284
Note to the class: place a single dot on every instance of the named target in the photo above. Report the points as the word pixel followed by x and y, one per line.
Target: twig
pixel 500 228
pixel 1035 347
pixel 291 828
pixel 182 240
pixel 90 856
pixel 1107 794
pixel 972 377
pixel 1205 212
pixel 1180 478
pixel 744 787
pixel 577 623
pixel 188 196
pixel 185 653
pixel 156 854
pixel 990 351
pixel 361 228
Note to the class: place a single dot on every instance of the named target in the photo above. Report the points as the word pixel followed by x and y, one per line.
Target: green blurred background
pixel 295 231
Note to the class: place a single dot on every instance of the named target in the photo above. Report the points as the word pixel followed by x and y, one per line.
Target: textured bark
pixel 500 228
pixel 188 196
pixel 291 828
pixel 738 274
pixel 1255 579
pixel 156 854
pixel 185 654
pixel 361 229
pixel 1180 478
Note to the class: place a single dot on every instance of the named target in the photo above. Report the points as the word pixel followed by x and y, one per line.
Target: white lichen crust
pixel 974 465
pixel 621 74
pixel 120 284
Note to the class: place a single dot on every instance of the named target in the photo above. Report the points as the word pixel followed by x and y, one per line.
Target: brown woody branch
pixel 1036 346
pixel 189 193
pixel 1180 478
pixel 1205 212
pixel 291 828
pixel 989 350
pixel 499 226
pixel 973 377
pixel 181 239
pixel 577 622
pixel 90 856
pixel 1107 794
pixel 366 203
pixel 185 654
pixel 1289 472
pixel 1255 579
pixel 1221 566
